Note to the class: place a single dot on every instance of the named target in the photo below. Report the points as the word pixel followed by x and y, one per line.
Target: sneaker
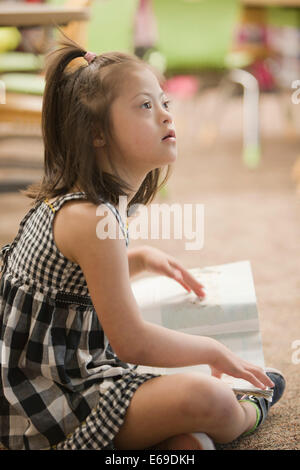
pixel 261 404
pixel 278 379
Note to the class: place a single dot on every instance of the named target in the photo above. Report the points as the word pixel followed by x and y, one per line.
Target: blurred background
pixel 232 71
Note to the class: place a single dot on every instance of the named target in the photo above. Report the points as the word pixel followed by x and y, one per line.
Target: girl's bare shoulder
pixel 75 225
pixel 80 211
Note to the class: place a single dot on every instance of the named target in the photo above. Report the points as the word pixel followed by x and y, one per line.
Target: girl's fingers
pixel 185 286
pixel 179 278
pixel 189 280
pixel 263 377
pixel 175 274
pixel 253 380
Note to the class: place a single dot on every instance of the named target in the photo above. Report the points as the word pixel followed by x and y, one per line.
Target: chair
pixel 192 47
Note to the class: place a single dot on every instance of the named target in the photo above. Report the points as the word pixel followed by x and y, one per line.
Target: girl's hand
pixel 158 262
pixel 228 363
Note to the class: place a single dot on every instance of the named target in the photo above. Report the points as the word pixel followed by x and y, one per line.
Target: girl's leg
pixel 173 405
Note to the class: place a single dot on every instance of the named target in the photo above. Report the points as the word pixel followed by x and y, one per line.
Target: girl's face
pixel 141 118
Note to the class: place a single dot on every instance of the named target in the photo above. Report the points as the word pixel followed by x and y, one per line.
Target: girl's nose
pixel 168 119
pixel 166 115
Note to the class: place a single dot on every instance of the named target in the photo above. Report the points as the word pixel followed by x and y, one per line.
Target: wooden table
pixel 21 15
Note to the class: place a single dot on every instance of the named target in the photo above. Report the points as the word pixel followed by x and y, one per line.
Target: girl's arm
pixel 135 261
pixel 104 263
pixel 168 348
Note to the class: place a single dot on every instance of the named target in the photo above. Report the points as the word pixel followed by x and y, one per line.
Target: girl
pixel 71 331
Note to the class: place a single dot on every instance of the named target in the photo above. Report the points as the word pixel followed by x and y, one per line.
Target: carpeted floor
pixel 249 214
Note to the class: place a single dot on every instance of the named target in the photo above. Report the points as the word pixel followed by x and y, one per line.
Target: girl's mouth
pixel 170 136
pixel 169 139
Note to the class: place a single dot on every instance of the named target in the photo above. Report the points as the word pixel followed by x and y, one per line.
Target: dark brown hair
pixel 76 101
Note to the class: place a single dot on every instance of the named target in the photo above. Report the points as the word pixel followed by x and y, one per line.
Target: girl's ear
pixel 99 142
pixel 98 137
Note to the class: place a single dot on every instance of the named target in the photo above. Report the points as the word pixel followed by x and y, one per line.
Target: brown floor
pixel 249 214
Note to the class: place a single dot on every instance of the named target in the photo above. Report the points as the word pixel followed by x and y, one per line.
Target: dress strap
pixel 123 225
pixel 56 205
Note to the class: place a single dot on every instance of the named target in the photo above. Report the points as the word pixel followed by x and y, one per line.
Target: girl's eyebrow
pixel 148 94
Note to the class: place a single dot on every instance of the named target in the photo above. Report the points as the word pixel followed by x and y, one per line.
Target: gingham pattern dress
pixel 61 384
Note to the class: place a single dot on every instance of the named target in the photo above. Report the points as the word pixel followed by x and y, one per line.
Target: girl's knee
pixel 206 399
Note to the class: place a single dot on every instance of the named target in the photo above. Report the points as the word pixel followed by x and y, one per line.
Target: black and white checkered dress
pixel 61 384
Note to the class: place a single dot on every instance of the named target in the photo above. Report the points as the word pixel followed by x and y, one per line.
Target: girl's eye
pixel 148 102
pixel 166 104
